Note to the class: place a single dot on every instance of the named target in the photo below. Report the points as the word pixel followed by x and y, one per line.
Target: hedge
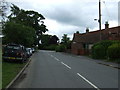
pixel 113 51
pixel 99 50
pixel 60 48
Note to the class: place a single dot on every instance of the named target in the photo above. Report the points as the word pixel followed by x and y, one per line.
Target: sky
pixel 69 16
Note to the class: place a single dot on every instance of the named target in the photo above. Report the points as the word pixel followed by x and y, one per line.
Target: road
pixel 49 69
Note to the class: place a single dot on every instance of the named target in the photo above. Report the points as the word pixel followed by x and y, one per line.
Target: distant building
pixel 82 43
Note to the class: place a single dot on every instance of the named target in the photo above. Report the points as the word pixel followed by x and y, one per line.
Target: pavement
pixel 49 69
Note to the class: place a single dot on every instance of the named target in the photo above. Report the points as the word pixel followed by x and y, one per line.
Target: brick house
pixel 82 43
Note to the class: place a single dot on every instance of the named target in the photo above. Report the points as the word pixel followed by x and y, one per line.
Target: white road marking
pixel 51 55
pixel 88 81
pixel 66 65
pixel 56 59
pixel 61 62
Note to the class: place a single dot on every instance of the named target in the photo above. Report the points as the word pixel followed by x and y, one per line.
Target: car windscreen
pixel 13 47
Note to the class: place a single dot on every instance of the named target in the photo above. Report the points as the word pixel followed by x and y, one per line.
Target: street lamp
pixel 99 20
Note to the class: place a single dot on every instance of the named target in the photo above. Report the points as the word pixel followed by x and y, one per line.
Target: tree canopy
pixel 19 34
pixel 66 41
pixel 29 18
pixel 24 26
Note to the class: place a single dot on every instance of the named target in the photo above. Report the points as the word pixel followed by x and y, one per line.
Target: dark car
pixel 14 52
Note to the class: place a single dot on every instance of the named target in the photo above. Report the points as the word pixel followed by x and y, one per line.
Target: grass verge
pixel 9 71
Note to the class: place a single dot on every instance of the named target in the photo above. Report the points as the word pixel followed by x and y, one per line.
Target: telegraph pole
pixel 100 19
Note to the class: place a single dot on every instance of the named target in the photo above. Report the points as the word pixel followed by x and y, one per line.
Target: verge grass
pixel 9 71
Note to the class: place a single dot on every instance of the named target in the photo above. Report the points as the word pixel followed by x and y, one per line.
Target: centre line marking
pixel 56 59
pixel 66 65
pixel 51 55
pixel 88 81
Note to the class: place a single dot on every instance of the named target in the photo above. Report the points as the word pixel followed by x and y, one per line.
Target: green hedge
pixel 113 51
pixel 99 50
pixel 60 48
pixel 49 47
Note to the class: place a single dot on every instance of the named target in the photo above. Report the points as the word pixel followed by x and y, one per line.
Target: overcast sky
pixel 69 16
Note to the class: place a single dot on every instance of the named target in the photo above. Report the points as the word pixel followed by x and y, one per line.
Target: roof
pixel 94 36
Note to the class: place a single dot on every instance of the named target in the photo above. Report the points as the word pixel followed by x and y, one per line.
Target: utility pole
pixel 100 19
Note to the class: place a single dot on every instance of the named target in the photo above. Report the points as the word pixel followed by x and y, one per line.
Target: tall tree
pixel 66 41
pixel 53 40
pixel 28 18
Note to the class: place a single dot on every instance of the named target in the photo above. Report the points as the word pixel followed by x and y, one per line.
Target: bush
pixel 105 44
pixel 99 52
pixel 60 48
pixel 49 47
pixel 113 51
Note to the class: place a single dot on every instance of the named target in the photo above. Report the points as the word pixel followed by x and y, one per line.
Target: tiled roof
pixel 94 36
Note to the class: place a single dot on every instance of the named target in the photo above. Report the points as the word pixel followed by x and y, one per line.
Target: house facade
pixel 82 43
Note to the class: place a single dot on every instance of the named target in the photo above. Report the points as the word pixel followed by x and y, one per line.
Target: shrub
pixel 98 52
pixel 60 48
pixel 49 47
pixel 113 51
pixel 105 44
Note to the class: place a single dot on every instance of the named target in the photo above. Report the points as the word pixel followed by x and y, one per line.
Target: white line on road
pixel 51 55
pixel 66 65
pixel 56 59
pixel 88 81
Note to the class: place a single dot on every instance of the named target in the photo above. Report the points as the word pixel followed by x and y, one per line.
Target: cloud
pixel 69 16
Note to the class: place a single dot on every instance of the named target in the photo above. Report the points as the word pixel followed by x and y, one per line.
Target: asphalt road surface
pixel 49 69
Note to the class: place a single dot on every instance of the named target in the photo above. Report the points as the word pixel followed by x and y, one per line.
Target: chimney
pixel 106 25
pixel 77 32
pixel 87 30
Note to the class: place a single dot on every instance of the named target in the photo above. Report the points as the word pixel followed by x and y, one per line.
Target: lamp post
pixel 99 20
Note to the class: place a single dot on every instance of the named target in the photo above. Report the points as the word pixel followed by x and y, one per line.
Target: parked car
pixel 29 51
pixel 14 52
pixel 33 50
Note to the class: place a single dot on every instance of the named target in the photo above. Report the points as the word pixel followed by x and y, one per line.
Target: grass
pixel 9 71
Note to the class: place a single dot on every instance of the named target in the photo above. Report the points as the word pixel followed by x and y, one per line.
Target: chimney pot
pixel 87 30
pixel 106 25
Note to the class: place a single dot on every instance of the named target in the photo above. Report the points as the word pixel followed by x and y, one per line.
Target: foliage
pixel 49 47
pixel 113 51
pixel 60 48
pixel 31 20
pixel 66 41
pixel 53 40
pixel 99 52
pixel 102 47
pixel 45 40
pixel 19 34
pixel 48 42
